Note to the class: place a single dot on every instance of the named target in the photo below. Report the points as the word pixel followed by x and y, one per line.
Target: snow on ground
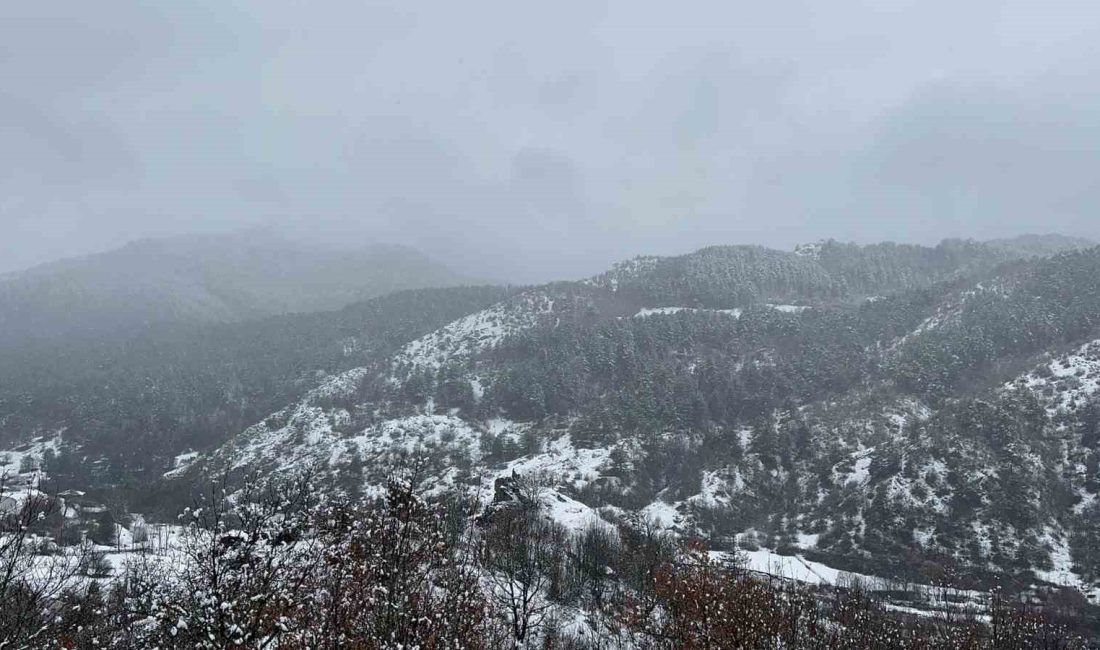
pixel 338 385
pixel 735 313
pixel 799 569
pixel 912 611
pixel 1087 499
pixel 181 462
pixel 860 471
pixel 1065 382
pixel 561 463
pixel 415 432
pixel 575 622
pixel 26 455
pixel 477 387
pixel 744 437
pixel 11 501
pixel 163 546
pixel 662 311
pixel 1061 573
pixel 793 567
pixel 573 515
pixel 308 437
pixel 808 541
pixel 504 427
pixel 907 410
pixel 559 467
pixel 259 443
pixel 717 487
pixel 812 250
pixel 789 309
pixel 184 459
pixel 475 333
pixel 663 514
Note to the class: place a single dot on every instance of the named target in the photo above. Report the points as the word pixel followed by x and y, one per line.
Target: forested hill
pixel 200 279
pixel 881 408
pixel 735 276
pixel 129 405
pixel 900 410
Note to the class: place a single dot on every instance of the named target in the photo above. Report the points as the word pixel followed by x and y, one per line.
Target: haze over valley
pixel 577 326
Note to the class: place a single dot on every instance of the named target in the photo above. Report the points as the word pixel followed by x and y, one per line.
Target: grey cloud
pixel 529 141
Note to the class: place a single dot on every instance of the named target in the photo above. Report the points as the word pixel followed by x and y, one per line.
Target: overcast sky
pixel 530 140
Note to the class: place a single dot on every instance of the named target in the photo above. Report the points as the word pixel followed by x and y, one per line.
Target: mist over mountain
pixel 202 279
pixel 584 325
pixel 919 415
pixel 137 401
pixel 1047 244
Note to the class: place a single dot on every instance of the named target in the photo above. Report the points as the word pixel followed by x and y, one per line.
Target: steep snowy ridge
pixel 475 333
pixel 312 430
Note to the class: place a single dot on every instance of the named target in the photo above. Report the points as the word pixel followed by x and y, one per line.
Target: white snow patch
pixel 338 385
pixel 573 515
pixel 475 333
pixel 744 436
pixel 664 311
pixel 812 251
pixel 1061 573
pixel 1067 382
pixel 561 463
pixel 184 459
pixel 794 567
pixel 181 462
pixel 663 514
pixel 860 472
pixel 789 309
pixel 30 456
pixel 717 487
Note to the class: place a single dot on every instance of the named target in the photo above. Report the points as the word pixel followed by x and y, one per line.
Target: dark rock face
pixel 508 494
pixel 506 490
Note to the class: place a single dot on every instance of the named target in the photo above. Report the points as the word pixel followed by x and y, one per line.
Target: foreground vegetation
pixel 272 565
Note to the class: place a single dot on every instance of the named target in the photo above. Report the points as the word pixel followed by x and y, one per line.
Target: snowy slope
pixel 476 332
pixel 1066 382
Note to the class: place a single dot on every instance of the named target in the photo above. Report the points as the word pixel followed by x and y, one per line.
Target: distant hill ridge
pixel 722 277
pixel 202 279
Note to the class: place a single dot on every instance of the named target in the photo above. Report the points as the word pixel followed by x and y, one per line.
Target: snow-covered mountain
pixel 879 414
